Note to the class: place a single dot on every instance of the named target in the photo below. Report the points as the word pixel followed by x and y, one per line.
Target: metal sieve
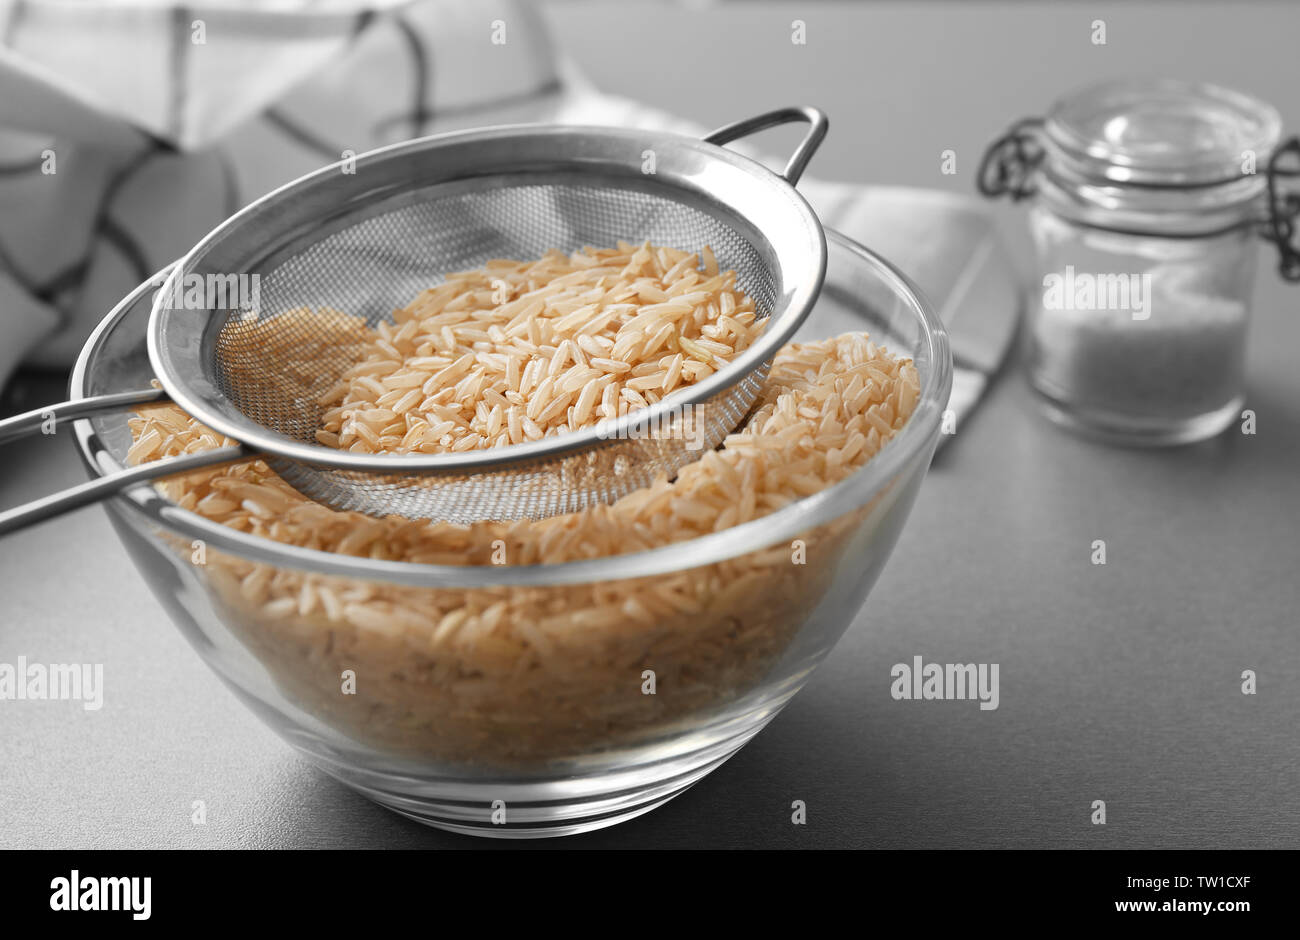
pixel 365 236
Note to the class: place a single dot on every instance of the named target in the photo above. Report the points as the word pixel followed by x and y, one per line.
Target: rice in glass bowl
pixel 565 695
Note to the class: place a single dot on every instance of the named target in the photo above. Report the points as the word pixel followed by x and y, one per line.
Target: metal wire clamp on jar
pixel 1147 202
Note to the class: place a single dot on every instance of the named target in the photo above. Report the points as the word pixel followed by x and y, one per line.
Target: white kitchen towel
pixel 130 129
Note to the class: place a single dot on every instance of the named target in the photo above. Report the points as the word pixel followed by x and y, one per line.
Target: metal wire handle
pixel 99 489
pixel 1008 166
pixel 29 422
pixel 39 420
pixel 818 123
pixel 1283 211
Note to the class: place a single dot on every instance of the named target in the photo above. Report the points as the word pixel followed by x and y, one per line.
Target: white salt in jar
pixel 1148 200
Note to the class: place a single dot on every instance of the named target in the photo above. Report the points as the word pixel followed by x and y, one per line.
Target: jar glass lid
pixel 1162 133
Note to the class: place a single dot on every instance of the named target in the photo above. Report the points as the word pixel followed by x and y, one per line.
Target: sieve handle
pixel 93 491
pixel 818 125
pixel 39 419
pixel 29 422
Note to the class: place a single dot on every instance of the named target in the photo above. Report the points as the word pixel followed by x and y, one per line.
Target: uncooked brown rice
pixel 511 675
pixel 519 350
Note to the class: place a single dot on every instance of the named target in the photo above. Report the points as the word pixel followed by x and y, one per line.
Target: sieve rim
pixel 782 323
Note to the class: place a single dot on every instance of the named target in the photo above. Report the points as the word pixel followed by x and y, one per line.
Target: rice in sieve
pixel 366 236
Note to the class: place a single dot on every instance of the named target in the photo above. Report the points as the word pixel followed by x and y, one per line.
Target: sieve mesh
pixel 368 270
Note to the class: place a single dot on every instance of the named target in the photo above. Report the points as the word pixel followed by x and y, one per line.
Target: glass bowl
pixel 632 703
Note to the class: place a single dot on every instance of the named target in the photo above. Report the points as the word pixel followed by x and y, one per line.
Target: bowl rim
pixel 934 361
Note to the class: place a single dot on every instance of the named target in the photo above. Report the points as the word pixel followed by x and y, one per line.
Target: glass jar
pixel 1146 208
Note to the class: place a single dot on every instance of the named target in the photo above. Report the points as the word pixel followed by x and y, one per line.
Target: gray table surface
pixel 1119 683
